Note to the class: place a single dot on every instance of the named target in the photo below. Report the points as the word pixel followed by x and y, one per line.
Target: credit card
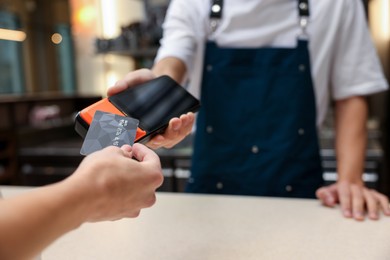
pixel 109 129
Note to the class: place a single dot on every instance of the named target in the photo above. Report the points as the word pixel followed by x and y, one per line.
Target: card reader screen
pixel 155 102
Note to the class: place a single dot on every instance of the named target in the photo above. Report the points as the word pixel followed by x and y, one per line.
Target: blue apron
pixel 256 130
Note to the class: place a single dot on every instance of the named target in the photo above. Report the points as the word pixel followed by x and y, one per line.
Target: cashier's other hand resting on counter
pixel 356 201
pixel 177 129
pixel 107 185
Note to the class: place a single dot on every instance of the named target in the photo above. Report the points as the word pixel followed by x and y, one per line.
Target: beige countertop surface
pixel 185 227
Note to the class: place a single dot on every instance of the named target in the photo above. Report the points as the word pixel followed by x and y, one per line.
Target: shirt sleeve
pixel 356 69
pixel 181 32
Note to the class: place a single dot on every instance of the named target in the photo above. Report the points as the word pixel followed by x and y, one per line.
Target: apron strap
pixel 215 13
pixel 304 13
pixel 217 7
pixel 303 6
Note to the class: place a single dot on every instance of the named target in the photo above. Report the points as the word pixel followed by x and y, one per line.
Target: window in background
pixel 65 54
pixel 11 57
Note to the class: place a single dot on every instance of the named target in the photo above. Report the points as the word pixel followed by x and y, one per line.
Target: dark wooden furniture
pixel 37 147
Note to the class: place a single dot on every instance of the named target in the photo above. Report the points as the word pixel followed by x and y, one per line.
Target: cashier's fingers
pixel 131 79
pixel 176 131
pixel 328 195
pixel 358 202
pixel 354 200
pixel 383 202
pixel 344 194
pixel 372 204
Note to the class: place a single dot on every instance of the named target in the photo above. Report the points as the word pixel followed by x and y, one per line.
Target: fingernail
pixel 347 213
pixel 358 215
pixel 373 216
pixel 329 200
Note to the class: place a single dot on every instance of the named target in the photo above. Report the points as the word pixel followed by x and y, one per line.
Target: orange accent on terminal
pixel 105 105
pixel 140 133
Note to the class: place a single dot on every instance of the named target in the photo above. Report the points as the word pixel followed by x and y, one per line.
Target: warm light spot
pixel 379 20
pixel 109 19
pixel 385 19
pixel 85 15
pixel 111 78
pixel 56 38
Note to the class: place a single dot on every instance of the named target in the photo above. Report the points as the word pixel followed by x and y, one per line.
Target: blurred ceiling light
pixel 109 18
pixel 56 38
pixel 379 20
pixel 385 19
pixel 12 35
pixel 85 14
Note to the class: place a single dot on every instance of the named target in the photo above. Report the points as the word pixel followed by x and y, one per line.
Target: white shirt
pixel 343 58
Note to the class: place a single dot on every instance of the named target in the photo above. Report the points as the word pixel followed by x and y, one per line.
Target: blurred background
pixel 59 56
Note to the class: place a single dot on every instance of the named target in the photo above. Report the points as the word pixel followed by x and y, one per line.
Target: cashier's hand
pixel 355 200
pixel 116 185
pixel 177 129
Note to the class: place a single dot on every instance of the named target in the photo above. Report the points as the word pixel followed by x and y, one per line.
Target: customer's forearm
pixel 30 222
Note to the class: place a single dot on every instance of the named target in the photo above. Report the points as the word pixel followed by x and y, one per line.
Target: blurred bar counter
pixel 53 161
pixel 38 144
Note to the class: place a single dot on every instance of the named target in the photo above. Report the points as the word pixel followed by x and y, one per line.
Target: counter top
pixel 184 226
